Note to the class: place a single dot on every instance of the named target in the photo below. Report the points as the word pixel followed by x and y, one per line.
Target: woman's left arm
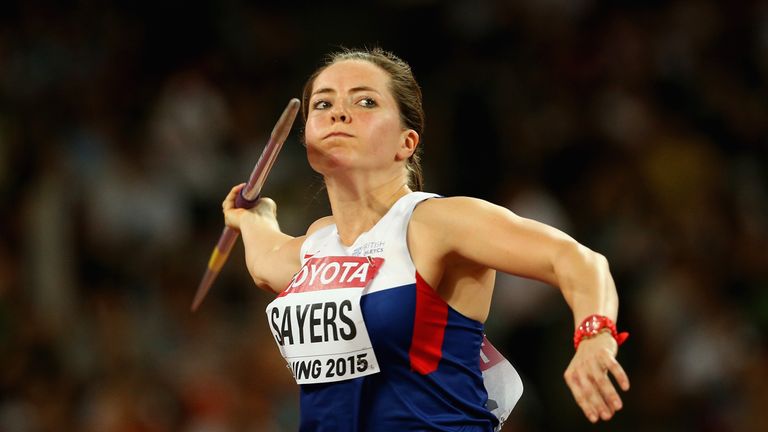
pixel 492 236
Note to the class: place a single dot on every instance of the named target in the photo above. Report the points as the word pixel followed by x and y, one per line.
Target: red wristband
pixel 593 325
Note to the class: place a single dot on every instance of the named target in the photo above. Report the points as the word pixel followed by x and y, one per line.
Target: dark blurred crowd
pixel 638 127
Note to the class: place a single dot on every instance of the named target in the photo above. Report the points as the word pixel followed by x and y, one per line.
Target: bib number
pixel 318 324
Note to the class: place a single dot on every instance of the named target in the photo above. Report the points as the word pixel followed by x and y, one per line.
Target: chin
pixel 325 161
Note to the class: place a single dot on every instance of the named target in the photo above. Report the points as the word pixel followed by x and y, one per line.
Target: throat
pixel 358 217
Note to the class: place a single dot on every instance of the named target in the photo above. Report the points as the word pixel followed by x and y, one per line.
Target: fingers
pixel 592 389
pixel 603 392
pixel 265 211
pixel 264 205
pixel 618 373
pixel 229 201
pixel 580 394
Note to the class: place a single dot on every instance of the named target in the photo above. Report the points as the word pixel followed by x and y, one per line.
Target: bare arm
pixel 471 230
pixel 468 229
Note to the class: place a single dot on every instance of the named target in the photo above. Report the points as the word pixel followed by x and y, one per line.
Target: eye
pixel 320 104
pixel 367 102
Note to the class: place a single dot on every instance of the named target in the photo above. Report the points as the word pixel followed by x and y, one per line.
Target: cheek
pixel 311 133
pixel 385 134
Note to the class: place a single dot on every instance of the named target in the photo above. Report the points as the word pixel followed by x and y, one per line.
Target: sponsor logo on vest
pixel 334 272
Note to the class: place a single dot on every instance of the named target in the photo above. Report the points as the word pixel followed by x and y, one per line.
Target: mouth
pixel 338 134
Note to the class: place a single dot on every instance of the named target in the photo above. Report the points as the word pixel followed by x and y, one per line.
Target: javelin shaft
pixel 250 193
pixel 247 198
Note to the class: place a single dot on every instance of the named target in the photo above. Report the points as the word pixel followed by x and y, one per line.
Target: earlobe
pixel 409 143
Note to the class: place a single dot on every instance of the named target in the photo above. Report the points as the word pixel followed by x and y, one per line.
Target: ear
pixel 409 140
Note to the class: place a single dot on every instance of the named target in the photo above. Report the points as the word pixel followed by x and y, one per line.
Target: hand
pixel 587 377
pixel 265 211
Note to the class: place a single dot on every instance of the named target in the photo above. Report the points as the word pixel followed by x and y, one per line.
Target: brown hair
pixel 404 88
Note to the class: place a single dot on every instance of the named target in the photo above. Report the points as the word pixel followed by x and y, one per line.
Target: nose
pixel 339 113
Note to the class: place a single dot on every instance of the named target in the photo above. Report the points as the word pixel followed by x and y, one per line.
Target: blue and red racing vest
pixel 374 348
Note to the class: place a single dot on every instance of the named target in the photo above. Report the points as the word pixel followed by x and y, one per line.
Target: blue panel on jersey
pixel 399 399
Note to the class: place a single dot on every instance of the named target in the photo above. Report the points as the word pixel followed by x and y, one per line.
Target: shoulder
pixel 443 232
pixel 319 224
pixel 457 223
pixel 442 222
pixel 451 210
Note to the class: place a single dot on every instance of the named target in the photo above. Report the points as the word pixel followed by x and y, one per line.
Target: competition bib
pixel 501 380
pixel 318 324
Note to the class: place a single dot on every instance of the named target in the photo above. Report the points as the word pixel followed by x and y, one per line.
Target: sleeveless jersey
pixel 426 369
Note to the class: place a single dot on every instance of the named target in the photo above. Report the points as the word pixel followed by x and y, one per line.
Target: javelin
pixel 247 198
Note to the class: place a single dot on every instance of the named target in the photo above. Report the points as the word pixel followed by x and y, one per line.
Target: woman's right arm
pixel 271 256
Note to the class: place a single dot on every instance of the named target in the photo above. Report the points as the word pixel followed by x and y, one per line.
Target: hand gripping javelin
pixel 247 198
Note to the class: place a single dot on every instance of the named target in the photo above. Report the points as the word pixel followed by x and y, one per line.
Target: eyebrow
pixel 352 90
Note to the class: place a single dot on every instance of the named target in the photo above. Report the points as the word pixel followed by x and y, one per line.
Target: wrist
pixel 594 325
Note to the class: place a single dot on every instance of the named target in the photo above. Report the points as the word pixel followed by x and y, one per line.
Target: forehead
pixel 352 73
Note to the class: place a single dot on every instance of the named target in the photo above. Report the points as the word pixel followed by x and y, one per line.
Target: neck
pixel 358 205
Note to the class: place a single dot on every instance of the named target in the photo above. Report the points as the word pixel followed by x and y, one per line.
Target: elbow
pixel 595 261
pixel 253 270
pixel 261 283
pixel 257 275
pixel 586 256
pixel 585 280
pixel 575 259
pixel 599 259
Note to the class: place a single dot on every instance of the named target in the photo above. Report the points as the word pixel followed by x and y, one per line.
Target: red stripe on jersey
pixel 428 328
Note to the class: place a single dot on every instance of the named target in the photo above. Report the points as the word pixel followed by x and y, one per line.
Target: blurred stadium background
pixel 639 127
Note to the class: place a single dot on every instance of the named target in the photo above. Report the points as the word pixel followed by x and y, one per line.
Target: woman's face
pixel 353 120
